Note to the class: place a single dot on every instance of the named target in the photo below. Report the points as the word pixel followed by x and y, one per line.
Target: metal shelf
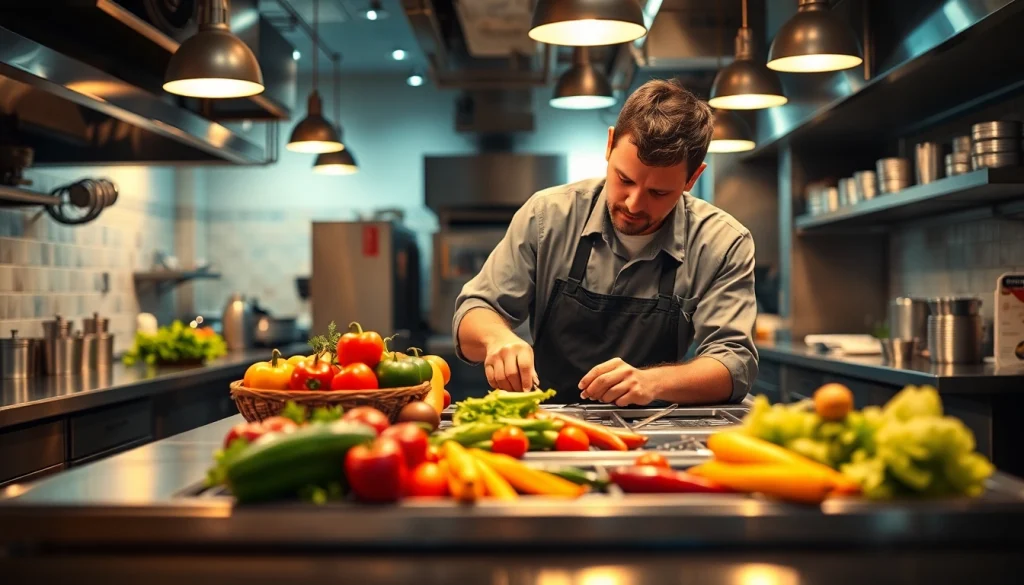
pixel 16 196
pixel 977 189
pixel 172 277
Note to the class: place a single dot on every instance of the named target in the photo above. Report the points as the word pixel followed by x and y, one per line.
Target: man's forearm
pixel 703 380
pixel 479 328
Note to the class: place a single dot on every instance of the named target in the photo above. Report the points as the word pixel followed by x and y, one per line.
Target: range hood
pixel 492 181
pixel 92 94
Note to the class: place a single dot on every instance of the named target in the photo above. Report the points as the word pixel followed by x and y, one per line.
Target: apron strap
pixel 667 283
pixel 578 270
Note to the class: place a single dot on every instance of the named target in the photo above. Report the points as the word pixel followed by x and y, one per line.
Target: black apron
pixel 582 329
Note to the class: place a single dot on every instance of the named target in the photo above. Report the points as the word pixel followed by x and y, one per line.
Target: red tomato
pixel 433 454
pixel 355 377
pixel 279 424
pixel 510 441
pixel 360 347
pixel 376 472
pixel 312 375
pixel 653 460
pixel 368 415
pixel 447 399
pixel 572 439
pixel 248 431
pixel 427 480
pixel 413 440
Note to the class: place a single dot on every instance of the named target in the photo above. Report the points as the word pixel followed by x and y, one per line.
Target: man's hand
pixel 509 364
pixel 618 382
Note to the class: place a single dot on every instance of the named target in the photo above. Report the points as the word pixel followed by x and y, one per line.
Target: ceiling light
pixel 336 163
pixel 583 86
pixel 314 134
pixel 746 84
pixel 213 63
pixel 814 40
pixel 399 55
pixel 731 134
pixel 375 11
pixel 415 80
pixel 296 55
pixel 585 23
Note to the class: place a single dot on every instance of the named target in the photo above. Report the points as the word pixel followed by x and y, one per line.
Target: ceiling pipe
pixel 305 26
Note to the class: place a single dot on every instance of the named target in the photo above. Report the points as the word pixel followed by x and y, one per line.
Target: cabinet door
pixel 30 449
pixel 109 430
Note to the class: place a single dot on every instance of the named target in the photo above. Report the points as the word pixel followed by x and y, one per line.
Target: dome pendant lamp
pixel 814 40
pixel 731 134
pixel 314 134
pixel 213 63
pixel 340 162
pixel 746 84
pixel 587 23
pixel 583 86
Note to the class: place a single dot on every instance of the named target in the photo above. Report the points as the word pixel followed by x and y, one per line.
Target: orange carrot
pixel 736 447
pixel 787 482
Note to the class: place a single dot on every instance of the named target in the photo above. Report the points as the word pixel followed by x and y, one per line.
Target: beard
pixel 627 223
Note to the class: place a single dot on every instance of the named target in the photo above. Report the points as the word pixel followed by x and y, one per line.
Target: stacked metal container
pixel 959 162
pixel 995 144
pixel 893 174
pixel 954 330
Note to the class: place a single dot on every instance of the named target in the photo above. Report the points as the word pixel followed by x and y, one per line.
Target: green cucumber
pixel 485 445
pixel 467 434
pixel 284 463
pixel 529 424
pixel 580 477
pixel 542 439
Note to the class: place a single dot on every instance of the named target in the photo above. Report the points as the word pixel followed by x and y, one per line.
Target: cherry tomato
pixel 279 424
pixel 355 377
pixel 447 399
pixel 510 441
pixel 246 430
pixel 413 440
pixel 377 472
pixel 433 454
pixel 368 415
pixel 427 480
pixel 653 460
pixel 572 439
pixel 360 347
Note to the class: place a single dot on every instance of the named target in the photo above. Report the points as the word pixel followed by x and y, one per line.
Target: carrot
pixel 495 485
pixel 735 447
pixel 600 436
pixel 631 439
pixel 464 481
pixel 528 480
pixel 787 482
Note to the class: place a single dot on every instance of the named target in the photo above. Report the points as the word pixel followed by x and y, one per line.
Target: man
pixel 619 275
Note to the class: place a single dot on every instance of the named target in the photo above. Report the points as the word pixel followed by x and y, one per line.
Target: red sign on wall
pixel 371 241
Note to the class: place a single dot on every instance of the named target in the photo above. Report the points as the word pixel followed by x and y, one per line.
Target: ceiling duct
pixel 494 112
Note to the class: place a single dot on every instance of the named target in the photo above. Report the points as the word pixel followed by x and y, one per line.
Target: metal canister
pixel 58 327
pixel 908 319
pixel 95 324
pixel 15 356
pixel 955 330
pixel 63 355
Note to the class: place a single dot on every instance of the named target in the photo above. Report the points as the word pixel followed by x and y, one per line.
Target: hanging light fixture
pixel 213 63
pixel 314 134
pixel 586 23
pixel 731 134
pixel 814 40
pixel 375 11
pixel 746 84
pixel 583 86
pixel 339 162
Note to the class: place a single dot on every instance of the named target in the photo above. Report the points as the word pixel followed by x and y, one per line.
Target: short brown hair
pixel 667 123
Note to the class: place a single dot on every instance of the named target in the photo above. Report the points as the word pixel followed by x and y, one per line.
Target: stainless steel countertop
pixel 984 378
pixel 135 498
pixel 43 397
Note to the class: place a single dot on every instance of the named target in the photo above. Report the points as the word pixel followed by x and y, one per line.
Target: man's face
pixel 641 197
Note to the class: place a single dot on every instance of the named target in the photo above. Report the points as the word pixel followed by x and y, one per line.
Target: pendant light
pixel 731 134
pixel 746 84
pixel 340 162
pixel 583 86
pixel 586 23
pixel 814 40
pixel 213 63
pixel 314 134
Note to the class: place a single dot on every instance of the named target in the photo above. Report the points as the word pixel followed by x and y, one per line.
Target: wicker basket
pixel 257 405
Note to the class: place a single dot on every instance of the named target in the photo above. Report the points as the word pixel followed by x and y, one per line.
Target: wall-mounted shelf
pixel 981 188
pixel 166 278
pixel 10 196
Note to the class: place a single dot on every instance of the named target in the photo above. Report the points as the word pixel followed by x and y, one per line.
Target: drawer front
pixel 28 450
pixel 108 428
pixel 35 475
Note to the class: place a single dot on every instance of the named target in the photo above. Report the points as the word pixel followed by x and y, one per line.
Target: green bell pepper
pixel 398 373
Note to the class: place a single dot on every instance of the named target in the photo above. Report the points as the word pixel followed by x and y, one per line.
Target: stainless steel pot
pixel 275 330
pixel 15 356
pixel 954 305
pixel 908 319
pixel 955 339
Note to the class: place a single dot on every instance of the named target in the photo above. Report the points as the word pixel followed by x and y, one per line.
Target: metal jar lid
pixel 95 324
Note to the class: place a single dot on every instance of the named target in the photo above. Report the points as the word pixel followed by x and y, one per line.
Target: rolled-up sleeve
pixel 724 317
pixel 507 282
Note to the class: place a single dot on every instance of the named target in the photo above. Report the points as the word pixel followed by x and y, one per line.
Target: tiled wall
pixel 956 259
pixel 47 268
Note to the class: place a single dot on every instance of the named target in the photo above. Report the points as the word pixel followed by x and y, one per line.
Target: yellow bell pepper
pixel 436 396
pixel 275 374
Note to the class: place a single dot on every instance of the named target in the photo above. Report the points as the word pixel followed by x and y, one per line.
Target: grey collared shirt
pixel 714 285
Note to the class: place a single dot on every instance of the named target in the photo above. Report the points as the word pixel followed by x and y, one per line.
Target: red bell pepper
pixel 360 347
pixel 647 479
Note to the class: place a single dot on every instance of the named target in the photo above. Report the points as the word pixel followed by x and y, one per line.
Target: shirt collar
pixel 670 238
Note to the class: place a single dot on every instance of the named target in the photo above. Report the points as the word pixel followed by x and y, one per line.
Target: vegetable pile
pixel 175 344
pixel 356 360
pixel 325 455
pixel 906 448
